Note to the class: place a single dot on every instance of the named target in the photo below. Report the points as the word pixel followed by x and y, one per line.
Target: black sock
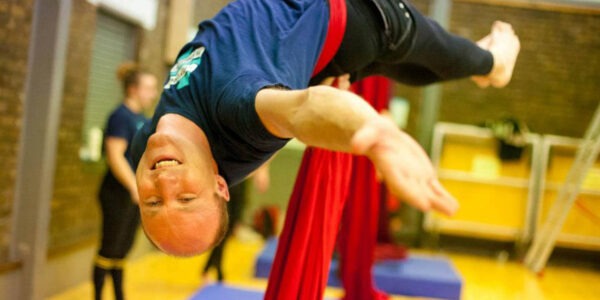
pixel 98 277
pixel 117 277
pixel 220 275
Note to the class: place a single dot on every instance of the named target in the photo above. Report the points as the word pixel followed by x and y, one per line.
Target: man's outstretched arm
pixel 339 120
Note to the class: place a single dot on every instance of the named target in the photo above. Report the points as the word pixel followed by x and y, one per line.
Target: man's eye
pixel 187 199
pixel 152 203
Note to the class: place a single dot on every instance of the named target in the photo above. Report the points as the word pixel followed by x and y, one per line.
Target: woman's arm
pixel 261 177
pixel 339 120
pixel 119 166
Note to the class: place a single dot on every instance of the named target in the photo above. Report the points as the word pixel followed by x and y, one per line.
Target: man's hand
pixel 399 161
pixel 403 165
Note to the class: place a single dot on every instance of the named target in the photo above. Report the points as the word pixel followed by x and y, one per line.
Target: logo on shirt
pixel 186 64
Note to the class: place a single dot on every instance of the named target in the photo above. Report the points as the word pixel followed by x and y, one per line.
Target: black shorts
pixel 120 219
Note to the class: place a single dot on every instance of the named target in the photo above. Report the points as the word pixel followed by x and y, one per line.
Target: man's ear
pixel 222 188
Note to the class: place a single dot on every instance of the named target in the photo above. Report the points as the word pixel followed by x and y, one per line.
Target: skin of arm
pixel 119 166
pixel 320 116
pixel 338 120
pixel 261 177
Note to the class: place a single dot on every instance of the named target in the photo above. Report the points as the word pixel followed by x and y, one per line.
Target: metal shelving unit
pixel 497 198
pixel 580 229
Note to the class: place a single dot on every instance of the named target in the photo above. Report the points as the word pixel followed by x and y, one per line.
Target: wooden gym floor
pixel 157 276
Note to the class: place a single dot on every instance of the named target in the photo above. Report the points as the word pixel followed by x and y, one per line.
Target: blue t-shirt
pixel 123 123
pixel 249 45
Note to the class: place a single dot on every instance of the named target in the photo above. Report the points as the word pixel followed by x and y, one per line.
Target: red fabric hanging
pixel 301 265
pixel 360 222
pixel 326 181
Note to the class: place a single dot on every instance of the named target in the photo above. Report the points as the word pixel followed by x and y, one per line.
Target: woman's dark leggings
pixel 392 38
pixel 120 219
pixel 235 209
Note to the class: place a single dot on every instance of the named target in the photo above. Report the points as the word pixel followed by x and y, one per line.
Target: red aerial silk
pixel 326 182
pixel 360 222
pixel 306 244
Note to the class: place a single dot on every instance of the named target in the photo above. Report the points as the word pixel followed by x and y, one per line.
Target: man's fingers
pixel 404 166
pixel 444 201
pixel 422 196
pixel 344 82
pixel 405 188
pixel 341 82
pixel 422 193
pixel 328 81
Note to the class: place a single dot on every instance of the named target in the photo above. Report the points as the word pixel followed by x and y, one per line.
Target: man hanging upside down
pixel 246 84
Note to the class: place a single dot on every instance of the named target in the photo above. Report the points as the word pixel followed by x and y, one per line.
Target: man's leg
pixel 301 265
pixel 437 55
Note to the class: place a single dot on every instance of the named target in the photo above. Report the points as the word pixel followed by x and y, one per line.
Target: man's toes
pixel 502 27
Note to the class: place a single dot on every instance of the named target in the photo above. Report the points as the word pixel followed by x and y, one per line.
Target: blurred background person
pixel 118 195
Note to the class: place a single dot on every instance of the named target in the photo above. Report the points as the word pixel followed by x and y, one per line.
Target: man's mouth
pixel 165 163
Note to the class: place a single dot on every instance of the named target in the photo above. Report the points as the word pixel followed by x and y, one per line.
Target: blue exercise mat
pixel 418 276
pixel 226 292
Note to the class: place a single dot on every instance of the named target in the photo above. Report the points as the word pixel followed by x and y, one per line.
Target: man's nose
pixel 166 180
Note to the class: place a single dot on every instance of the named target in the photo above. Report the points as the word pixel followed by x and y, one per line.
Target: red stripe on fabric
pixel 335 34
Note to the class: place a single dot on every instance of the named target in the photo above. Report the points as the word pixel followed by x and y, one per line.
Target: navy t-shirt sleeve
pixel 236 110
pixel 119 126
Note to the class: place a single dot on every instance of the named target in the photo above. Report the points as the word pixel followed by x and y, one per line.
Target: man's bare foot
pixel 504 45
pixel 483 81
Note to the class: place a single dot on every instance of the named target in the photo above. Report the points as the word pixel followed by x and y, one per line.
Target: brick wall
pixel 15 28
pixel 555 85
pixel 74 212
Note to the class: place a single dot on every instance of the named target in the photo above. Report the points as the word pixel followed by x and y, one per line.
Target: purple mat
pixel 226 292
pixel 419 276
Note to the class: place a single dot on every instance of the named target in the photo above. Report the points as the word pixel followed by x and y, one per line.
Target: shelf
pixel 556 186
pixel 474 178
pixel 496 195
pixel 473 229
pixel 583 242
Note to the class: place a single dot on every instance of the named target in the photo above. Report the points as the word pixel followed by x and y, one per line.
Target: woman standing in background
pixel 118 194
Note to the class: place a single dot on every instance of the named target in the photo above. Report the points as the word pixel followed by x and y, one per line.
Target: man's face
pixel 177 191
